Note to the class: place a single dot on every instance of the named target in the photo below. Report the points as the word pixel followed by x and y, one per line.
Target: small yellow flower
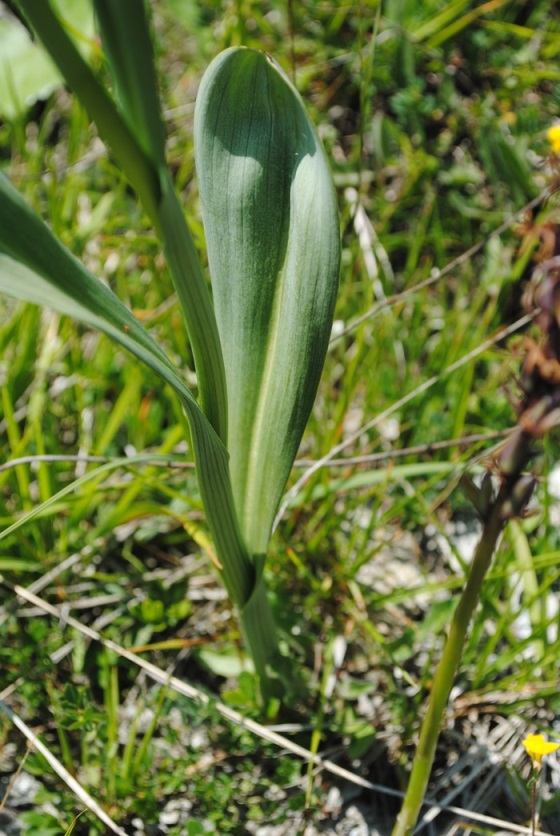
pixel 553 136
pixel 535 744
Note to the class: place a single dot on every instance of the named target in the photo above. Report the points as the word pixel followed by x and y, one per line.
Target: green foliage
pixel 27 74
pixel 47 275
pixel 271 225
pixel 364 551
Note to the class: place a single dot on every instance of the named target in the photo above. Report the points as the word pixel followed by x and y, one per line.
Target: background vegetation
pixel 434 116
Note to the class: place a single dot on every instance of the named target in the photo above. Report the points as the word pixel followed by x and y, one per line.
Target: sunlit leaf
pixel 271 224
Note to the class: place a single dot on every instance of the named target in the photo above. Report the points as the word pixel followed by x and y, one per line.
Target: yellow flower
pixel 535 744
pixel 553 136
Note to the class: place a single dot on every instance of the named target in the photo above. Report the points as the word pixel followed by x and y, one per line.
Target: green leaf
pixel 128 47
pixel 226 663
pixel 134 132
pixel 271 223
pixel 152 611
pixel 36 267
pixel 113 128
pixel 16 564
pixel 26 72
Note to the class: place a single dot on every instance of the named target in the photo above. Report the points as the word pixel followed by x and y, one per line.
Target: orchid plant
pixel 271 224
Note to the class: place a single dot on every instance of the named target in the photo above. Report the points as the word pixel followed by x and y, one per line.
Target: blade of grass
pixel 457 26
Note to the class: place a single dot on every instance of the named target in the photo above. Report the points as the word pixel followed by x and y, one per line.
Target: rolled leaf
pixel 271 223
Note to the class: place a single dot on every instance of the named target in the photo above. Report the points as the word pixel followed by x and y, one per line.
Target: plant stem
pixel 259 631
pixel 447 668
pixel 534 803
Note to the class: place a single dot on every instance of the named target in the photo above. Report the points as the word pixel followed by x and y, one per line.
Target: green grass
pixel 441 129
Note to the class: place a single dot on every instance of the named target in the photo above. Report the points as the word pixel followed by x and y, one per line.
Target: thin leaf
pixel 81 78
pixel 139 148
pixel 128 47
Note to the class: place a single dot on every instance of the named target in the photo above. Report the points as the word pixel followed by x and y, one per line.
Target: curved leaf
pixel 36 267
pixel 135 135
pixel 271 223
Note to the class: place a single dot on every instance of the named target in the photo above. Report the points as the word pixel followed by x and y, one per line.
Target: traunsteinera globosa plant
pixel 271 224
pixel 271 227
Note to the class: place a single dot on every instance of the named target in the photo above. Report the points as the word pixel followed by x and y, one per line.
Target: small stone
pixel 9 825
pixel 334 802
pixel 175 812
pixel 23 790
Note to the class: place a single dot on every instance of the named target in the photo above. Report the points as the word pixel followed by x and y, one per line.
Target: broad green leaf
pixel 271 223
pixel 36 267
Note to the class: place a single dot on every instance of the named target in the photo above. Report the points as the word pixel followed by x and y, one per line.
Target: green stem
pixel 259 631
pixel 447 669
pixel 534 804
